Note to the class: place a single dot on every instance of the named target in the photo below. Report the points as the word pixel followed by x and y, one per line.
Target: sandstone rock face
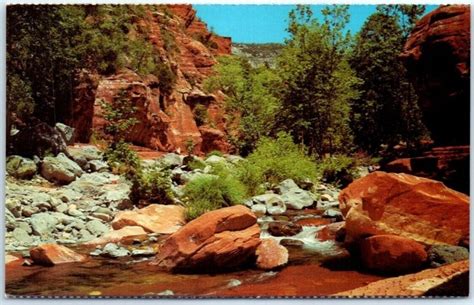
pixel 219 240
pixel 194 25
pixel 421 209
pixel 83 105
pixel 392 254
pixel 447 164
pixel 448 280
pixel 436 55
pixel 118 235
pixel 271 255
pixel 155 218
pixel 53 254
pixel 166 119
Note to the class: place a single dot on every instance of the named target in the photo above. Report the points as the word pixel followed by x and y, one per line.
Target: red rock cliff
pixel 437 58
pixel 167 122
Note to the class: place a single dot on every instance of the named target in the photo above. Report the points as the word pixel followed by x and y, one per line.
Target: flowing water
pixel 136 277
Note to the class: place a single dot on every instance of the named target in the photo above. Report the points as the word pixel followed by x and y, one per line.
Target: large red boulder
pixel 437 57
pixel 392 254
pixel 53 254
pixel 219 240
pixel 418 208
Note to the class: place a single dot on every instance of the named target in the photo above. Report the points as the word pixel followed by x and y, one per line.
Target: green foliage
pixel 41 57
pixel 318 84
pixel 251 94
pixel 19 97
pixel 122 160
pixel 215 153
pixel 48 44
pixel 166 76
pixel 211 192
pixel 338 169
pixel 387 111
pixel 190 145
pixel 251 174
pixel 153 185
pixel 119 116
pixel 169 41
pixel 407 15
pixel 200 115
pixel 196 164
pixel 275 160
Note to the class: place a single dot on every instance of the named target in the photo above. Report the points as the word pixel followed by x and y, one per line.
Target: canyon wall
pixel 167 120
pixel 437 58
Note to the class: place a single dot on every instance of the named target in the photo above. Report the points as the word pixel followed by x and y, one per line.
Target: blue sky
pixel 266 23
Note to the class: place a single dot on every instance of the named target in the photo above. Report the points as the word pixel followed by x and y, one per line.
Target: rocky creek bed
pixel 71 229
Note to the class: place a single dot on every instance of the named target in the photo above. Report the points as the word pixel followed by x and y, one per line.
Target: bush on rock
pixel 275 160
pixel 211 192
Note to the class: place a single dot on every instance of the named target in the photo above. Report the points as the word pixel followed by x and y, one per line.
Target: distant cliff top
pixel 258 54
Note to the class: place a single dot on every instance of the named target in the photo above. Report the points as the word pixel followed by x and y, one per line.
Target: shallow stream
pixel 305 274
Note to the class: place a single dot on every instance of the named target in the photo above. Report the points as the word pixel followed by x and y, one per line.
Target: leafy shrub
pixel 275 160
pixel 147 184
pixel 166 76
pixel 215 153
pixel 119 116
pixel 338 169
pixel 200 115
pixel 196 164
pixel 212 192
pixel 251 176
pixel 169 41
pixel 122 160
pixel 152 185
pixel 190 145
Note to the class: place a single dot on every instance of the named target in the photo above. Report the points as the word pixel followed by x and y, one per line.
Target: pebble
pixel 143 252
pixel 234 283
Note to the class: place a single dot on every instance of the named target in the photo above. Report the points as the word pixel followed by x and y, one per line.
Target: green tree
pixel 251 95
pixel 406 14
pixel 387 111
pixel 119 116
pixel 48 44
pixel 40 59
pixel 318 84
